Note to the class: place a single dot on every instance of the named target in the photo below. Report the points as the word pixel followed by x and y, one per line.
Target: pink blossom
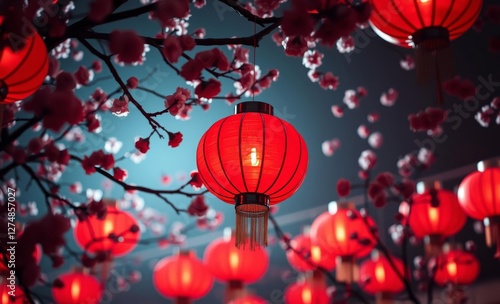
pixel 200 33
pixel 430 119
pixel 426 157
pixel 363 131
pixel 373 117
pixel 337 111
pixel 278 38
pixel 199 3
pixel 313 75
pixel 174 139
pixel 351 99
pixel 240 54
pixel 120 106
pixel 386 179
pixel 375 140
pixel 330 146
pixel 100 9
pixel 172 48
pixel 166 179
pixel 132 82
pixel 312 59
pixel 169 9
pixel 346 44
pixel 127 45
pixel 343 187
pixel 297 22
pixel 198 206
pixel 187 42
pixel 120 174
pixel 361 91
pixel 367 160
pixel 407 63
pixel 495 103
pixel 175 103
pixel 191 70
pixel 389 98
pixel 208 89
pixel 295 46
pixel 329 81
pixel 142 144
pixel 75 187
pixel 461 88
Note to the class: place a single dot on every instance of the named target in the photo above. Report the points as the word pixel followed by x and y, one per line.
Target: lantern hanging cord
pixel 254 57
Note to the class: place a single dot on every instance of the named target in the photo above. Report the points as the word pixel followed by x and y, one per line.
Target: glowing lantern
pixel 479 196
pixel 304 292
pixel 343 232
pixel 22 69
pixel 435 214
pixel 456 267
pixel 249 299
pixel 426 25
pixel 182 277
pixel 378 277
pixel 77 287
pixel 235 266
pixel 8 295
pixel 252 159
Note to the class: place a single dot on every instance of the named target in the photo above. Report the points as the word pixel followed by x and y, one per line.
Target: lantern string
pixel 252 88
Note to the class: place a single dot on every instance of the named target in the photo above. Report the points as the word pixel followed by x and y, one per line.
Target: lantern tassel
pixel 347 270
pixel 384 298
pixel 252 215
pixel 433 245
pixel 182 300
pixel 492 233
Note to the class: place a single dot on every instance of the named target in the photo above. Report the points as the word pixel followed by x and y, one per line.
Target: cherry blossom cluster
pixel 488 113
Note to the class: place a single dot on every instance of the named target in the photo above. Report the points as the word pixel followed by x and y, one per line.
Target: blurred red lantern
pixel 456 267
pixel 305 292
pixel 235 266
pixel 249 299
pixel 252 159
pixel 426 25
pixel 435 214
pixel 37 255
pixel 77 287
pixel 342 231
pixel 6 292
pixel 22 67
pixel 378 277
pixel 479 196
pixel 182 277
pixel 115 235
pixel 304 247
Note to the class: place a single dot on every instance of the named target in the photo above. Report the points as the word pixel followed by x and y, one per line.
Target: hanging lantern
pixel 22 70
pixel 77 287
pixel 113 236
pixel 479 196
pixel 234 266
pixel 9 296
pixel 304 292
pixel 342 231
pixel 435 214
pixel 456 268
pixel 378 277
pixel 252 159
pixel 182 277
pixel 426 25
pixel 303 247
pixel 249 299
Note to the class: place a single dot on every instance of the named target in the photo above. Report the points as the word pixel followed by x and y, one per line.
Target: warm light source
pixel 78 286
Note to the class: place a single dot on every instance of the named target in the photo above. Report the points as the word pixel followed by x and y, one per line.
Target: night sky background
pixel 374 65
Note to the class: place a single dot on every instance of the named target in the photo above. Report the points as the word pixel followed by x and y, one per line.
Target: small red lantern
pixel 456 267
pixel 22 69
pixel 249 299
pixel 426 25
pixel 9 295
pixel 479 196
pixel 304 292
pixel 235 266
pixel 343 232
pixel 252 159
pixel 378 277
pixel 435 214
pixel 313 252
pixel 182 277
pixel 77 287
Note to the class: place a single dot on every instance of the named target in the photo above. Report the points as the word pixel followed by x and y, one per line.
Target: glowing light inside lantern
pixel 306 295
pixel 452 269
pixel 315 253
pixel 5 297
pixel 380 273
pixel 434 216
pixel 234 260
pixel 254 160
pixel 108 227
pixel 340 234
pixel 186 277
pixel 75 290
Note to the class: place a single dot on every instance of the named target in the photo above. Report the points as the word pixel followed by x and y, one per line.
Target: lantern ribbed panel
pixel 24 70
pixel 457 267
pixel 378 276
pixel 303 244
pixel 306 293
pixel 252 153
pixel 77 288
pixel 182 275
pixel 333 232
pixel 228 263
pixel 447 219
pixel 479 194
pixel 396 21
pixel 92 233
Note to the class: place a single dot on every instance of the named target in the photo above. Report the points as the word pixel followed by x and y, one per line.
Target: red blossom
pixel 120 174
pixel 172 48
pixel 208 89
pixel 174 139
pixel 297 22
pixel 166 10
pixel 142 144
pixel 132 82
pixel 187 42
pixel 343 187
pixel 385 179
pixel 100 9
pixel 191 70
pixel 127 46
pixel 196 181
pixel 198 206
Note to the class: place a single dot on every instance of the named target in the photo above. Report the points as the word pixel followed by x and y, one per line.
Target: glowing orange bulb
pixel 315 254
pixel 340 234
pixel 306 295
pixel 452 269
pixel 75 290
pixel 434 216
pixel 380 273
pixel 234 260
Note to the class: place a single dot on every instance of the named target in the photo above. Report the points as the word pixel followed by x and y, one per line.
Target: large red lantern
pixel 304 292
pixel 314 254
pixel 252 159
pixel 235 266
pixel 456 267
pixel 426 25
pixel 182 277
pixel 435 214
pixel 479 196
pixel 23 67
pixel 77 287
pixel 11 295
pixel 343 232
pixel 378 277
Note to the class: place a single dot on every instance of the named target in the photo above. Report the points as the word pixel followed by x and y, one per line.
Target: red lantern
pixel 306 293
pixel 37 255
pixel 22 69
pixel 249 299
pixel 435 214
pixel 428 26
pixel 9 295
pixel 456 267
pixel 342 231
pixel 77 287
pixel 378 277
pixel 479 196
pixel 235 266
pixel 182 277
pixel 252 159
pixel 312 251
pixel 115 234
